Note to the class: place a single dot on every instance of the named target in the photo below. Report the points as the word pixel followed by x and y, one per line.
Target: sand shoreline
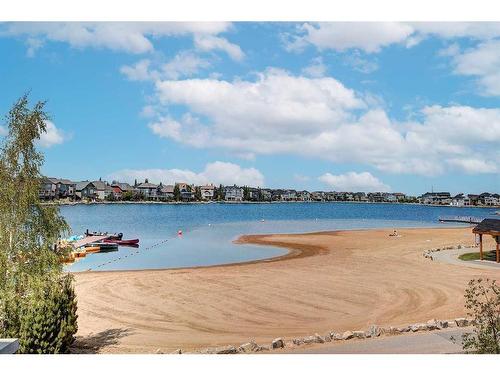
pixel 327 281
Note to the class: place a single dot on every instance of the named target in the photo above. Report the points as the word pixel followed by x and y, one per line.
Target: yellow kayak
pixel 92 249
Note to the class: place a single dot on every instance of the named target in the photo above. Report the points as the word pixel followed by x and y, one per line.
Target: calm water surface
pixel 209 229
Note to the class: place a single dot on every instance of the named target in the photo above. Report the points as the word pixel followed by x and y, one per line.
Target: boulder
pixel 338 336
pixel 359 334
pixel 461 322
pixel 347 335
pixel 418 327
pixel 248 347
pixel 433 325
pixel 159 351
pixel 442 324
pixel 262 348
pixel 451 323
pixel 229 349
pixel 178 351
pixel 278 343
pixel 327 338
pixel 319 338
pixel 374 331
pixel 298 341
pixel 393 331
pixel 313 339
pixel 404 329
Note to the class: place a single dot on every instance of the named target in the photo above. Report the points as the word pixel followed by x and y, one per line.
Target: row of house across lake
pixel 63 189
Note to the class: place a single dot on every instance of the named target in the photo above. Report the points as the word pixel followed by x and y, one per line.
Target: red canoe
pixel 122 242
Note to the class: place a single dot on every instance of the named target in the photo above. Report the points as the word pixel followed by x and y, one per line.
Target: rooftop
pixel 488 226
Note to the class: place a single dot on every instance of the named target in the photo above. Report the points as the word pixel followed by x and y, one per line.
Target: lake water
pixel 209 229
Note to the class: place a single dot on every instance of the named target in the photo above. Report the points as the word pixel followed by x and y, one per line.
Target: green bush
pixel 482 301
pixel 44 317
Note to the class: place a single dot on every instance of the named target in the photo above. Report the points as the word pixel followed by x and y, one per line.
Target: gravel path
pixel 435 342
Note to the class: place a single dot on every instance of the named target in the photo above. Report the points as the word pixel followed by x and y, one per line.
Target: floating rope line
pixel 130 254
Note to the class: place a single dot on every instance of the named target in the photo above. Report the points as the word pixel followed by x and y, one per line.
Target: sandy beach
pixel 328 281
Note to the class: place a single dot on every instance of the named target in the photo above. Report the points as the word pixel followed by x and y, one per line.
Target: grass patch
pixel 487 255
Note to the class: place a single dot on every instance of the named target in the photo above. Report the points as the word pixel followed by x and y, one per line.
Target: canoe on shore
pixel 112 236
pixel 103 245
pixel 122 242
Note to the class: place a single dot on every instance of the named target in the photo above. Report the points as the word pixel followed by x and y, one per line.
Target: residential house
pixel 318 196
pixel 488 199
pixel 360 197
pixel 165 192
pixel 276 194
pixel 436 198
pixel 389 197
pixel 458 200
pixel 186 191
pixel 56 188
pixel 48 189
pixel 303 196
pixel 102 190
pixel 120 188
pixel 472 200
pixel 85 190
pixel 289 195
pixel 254 194
pixel 207 192
pixel 266 195
pixel 233 193
pixel 400 197
pixel 148 190
pixel 376 197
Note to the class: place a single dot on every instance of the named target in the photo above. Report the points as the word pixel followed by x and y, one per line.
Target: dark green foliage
pixel 48 318
pixel 177 193
pixel 197 193
pixel 127 196
pixel 482 300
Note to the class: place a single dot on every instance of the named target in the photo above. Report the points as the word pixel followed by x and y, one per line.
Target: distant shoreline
pixel 247 202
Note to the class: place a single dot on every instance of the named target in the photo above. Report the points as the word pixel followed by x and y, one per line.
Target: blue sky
pixel 331 106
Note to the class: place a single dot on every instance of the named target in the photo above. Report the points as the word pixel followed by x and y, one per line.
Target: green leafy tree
pixel 246 193
pixel 37 302
pixel 197 193
pixel 220 197
pixel 177 193
pixel 127 196
pixel 482 301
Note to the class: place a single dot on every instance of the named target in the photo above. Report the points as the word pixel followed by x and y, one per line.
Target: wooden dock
pixel 461 219
pixel 87 240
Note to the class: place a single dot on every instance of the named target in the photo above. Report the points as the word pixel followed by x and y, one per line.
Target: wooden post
pixel 481 246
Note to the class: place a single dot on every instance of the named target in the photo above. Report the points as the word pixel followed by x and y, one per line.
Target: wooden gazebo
pixel 489 227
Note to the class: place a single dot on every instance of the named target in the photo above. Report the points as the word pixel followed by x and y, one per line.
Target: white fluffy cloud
pixel 212 42
pixel 131 37
pixel 371 37
pixel 481 61
pixel 353 181
pixel 217 172
pixel 316 69
pixel 367 36
pixel 183 64
pixel 279 113
pixel 52 136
